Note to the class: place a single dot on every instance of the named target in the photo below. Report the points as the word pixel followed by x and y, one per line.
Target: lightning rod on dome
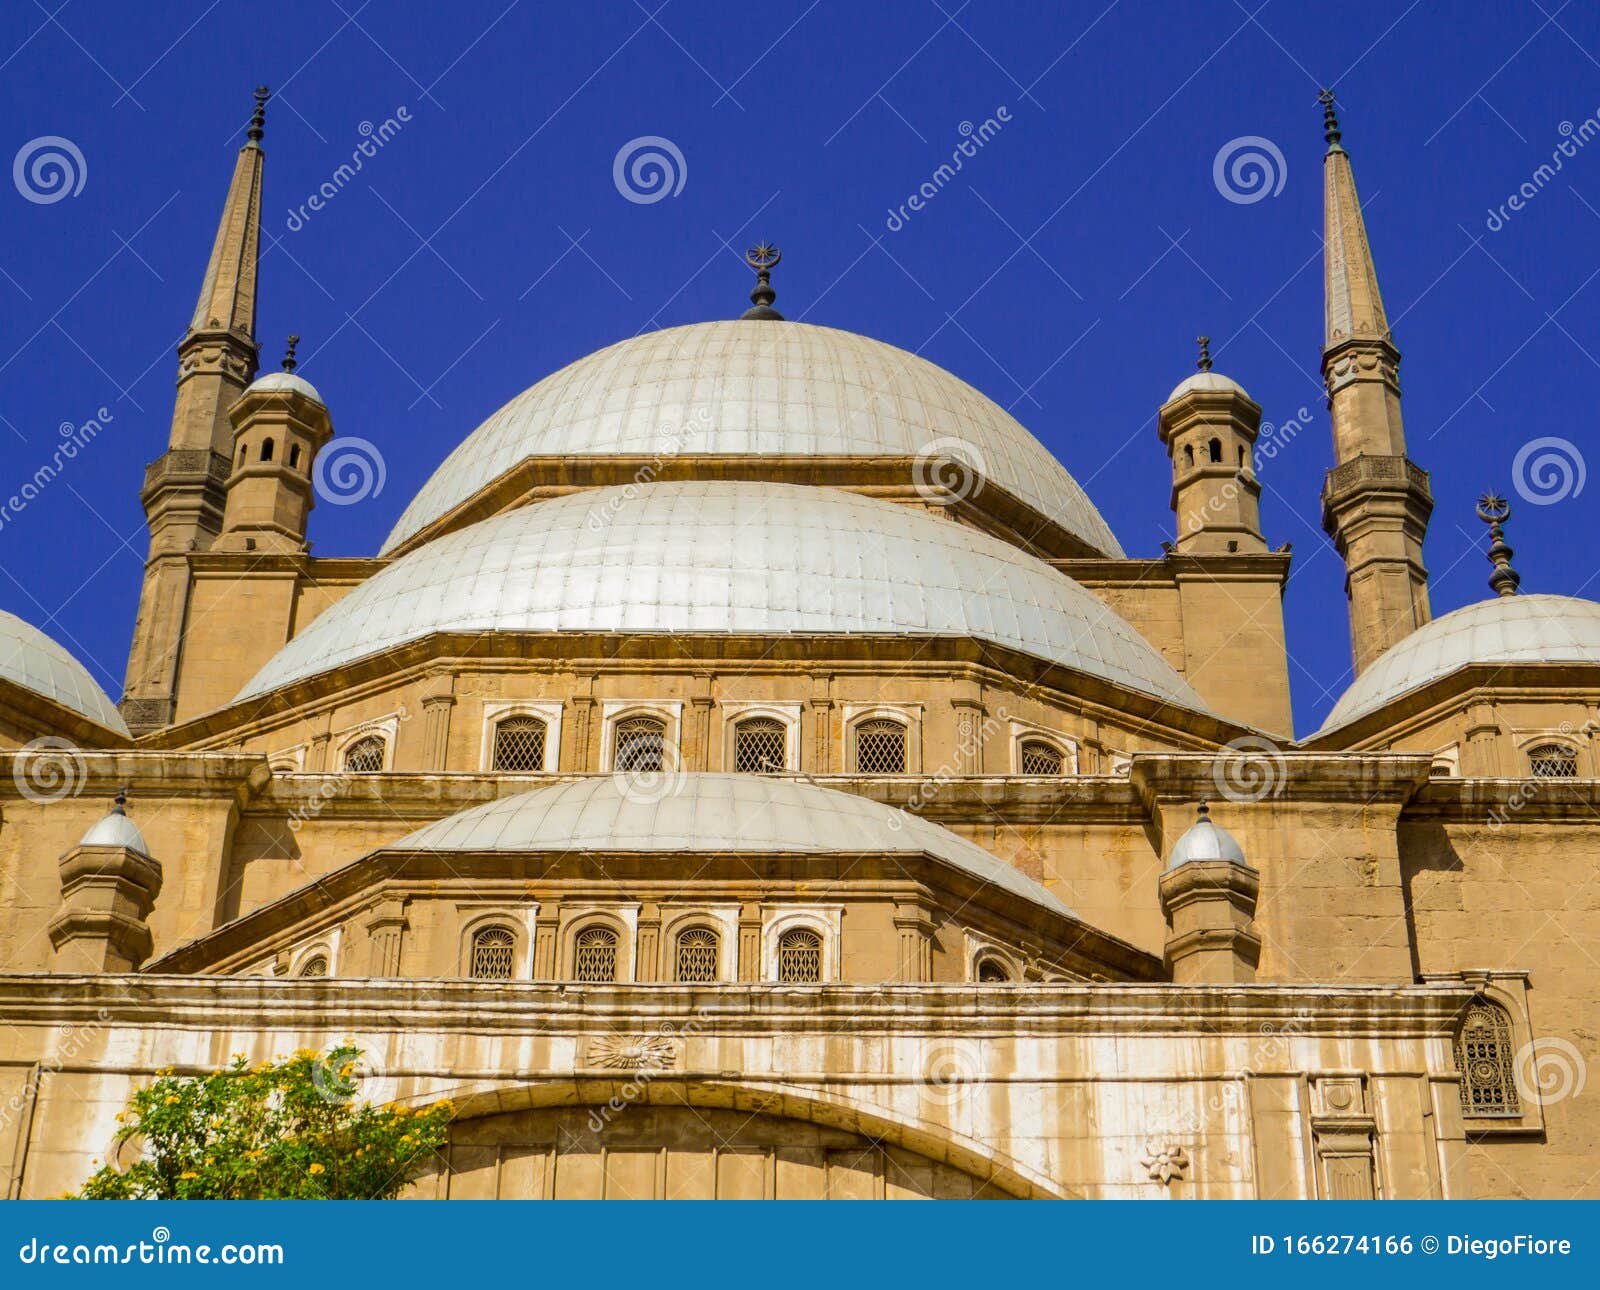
pixel 1494 511
pixel 763 258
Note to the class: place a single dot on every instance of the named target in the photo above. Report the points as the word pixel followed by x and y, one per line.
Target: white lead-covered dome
pixel 758 389
pixel 708 813
pixel 1507 629
pixel 728 558
pixel 35 662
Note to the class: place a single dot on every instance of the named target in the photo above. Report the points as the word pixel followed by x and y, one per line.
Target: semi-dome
pixel 1507 629
pixel 32 660
pixel 749 814
pixel 1204 842
pixel 728 558
pixel 732 389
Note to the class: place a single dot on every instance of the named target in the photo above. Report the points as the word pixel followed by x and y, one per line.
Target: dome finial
pixel 763 258
pixel 288 354
pixel 1494 511
pixel 258 118
pixel 1203 809
pixel 120 801
pixel 1330 121
pixel 1204 363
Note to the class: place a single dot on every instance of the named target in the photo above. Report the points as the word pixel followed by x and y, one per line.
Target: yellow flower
pixel 317 1169
pixel 173 1099
pixel 344 1071
pixel 188 1175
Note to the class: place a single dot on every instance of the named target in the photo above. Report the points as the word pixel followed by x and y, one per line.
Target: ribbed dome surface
pixel 704 812
pixel 35 662
pixel 1507 629
pixel 733 388
pixel 728 558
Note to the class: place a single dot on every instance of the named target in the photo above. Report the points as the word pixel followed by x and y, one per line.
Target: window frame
pixel 614 712
pixel 824 920
pixel 907 714
pixel 722 919
pixel 495 713
pixel 619 917
pixel 1024 733
pixel 521 920
pixel 366 737
pixel 786 715
pixel 1550 744
pixel 483 928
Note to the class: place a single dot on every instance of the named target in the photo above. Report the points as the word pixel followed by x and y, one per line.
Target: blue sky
pixel 1065 272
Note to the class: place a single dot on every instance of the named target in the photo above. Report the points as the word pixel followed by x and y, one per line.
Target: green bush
pixel 287 1130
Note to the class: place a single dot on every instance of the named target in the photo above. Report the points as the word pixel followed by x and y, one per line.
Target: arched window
pixel 760 746
pixel 1215 449
pixel 641 744
pixel 519 744
pixel 696 954
pixel 316 965
pixel 1483 1056
pixel 799 956
pixel 1040 758
pixel 881 747
pixel 1552 761
pixel 1241 458
pixel 294 455
pixel 493 950
pixel 1188 454
pixel 594 955
pixel 991 971
pixel 244 452
pixel 365 756
pixel 266 450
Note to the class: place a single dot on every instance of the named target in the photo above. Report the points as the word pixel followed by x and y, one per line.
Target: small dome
pixel 727 389
pixel 116 830
pixel 1507 629
pixel 285 381
pixel 1204 841
pixel 708 812
pixel 34 661
pixel 1206 383
pixel 728 559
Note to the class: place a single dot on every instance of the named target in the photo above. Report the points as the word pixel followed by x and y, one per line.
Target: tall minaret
pixel 1375 501
pixel 185 488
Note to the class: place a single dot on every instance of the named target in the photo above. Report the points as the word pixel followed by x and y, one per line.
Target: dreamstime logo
pixel 646 779
pixel 1550 1071
pixel 947 471
pixel 1248 769
pixel 649 168
pixel 1248 169
pixel 373 138
pixel 1548 470
pixel 973 137
pixel 49 168
pixel 49 770
pixel 950 1069
pixel 350 471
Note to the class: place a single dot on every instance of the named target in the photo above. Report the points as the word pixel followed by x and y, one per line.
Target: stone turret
pixel 1208 894
pixel 109 884
pixel 1209 426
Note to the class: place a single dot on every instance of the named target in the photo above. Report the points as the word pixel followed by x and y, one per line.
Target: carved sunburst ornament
pixel 632 1052
pixel 1165 1163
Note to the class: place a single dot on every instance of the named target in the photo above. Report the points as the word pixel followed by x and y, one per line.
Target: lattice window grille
pixel 641 745
pixel 365 756
pixel 799 956
pixel 594 956
pixel 316 965
pixel 1484 1058
pixel 760 746
pixel 991 971
pixel 493 950
pixel 519 744
pixel 697 955
pixel 1040 758
pixel 881 747
pixel 1553 761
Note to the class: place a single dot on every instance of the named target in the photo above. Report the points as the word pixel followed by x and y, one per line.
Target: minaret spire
pixel 1376 501
pixel 184 489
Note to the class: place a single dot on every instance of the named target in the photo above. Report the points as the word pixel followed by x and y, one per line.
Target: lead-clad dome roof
pixel 35 662
pixel 1507 629
pixel 729 388
pixel 704 812
pixel 728 558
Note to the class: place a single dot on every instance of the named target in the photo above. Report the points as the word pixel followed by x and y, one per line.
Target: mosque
pixel 751 767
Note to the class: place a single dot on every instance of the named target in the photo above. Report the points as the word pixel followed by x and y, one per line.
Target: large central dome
pixel 728 558
pixel 757 389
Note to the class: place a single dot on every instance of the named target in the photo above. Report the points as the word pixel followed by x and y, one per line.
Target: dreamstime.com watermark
pixel 973 139
pixel 373 139
pixel 648 169
pixel 1573 139
pixel 1248 169
pixel 160 1250
pixel 74 439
